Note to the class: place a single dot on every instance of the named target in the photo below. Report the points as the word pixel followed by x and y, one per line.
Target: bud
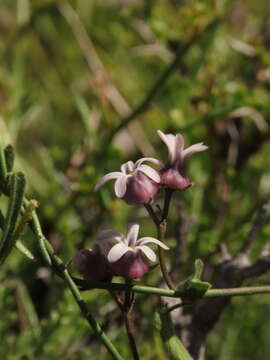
pixel 93 264
pixel 172 173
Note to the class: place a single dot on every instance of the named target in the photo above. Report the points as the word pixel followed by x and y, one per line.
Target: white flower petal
pixel 147 240
pixel 193 149
pixel 120 186
pixel 150 159
pixel 132 235
pixel 127 167
pixel 150 172
pixel 107 177
pixel 148 252
pixel 170 142
pixel 109 233
pixel 179 145
pixel 117 251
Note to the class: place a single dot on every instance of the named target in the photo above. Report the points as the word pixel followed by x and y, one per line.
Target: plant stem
pixel 130 331
pixel 129 321
pixel 152 214
pixel 59 268
pixel 167 201
pixel 89 317
pixel 212 293
pixel 161 229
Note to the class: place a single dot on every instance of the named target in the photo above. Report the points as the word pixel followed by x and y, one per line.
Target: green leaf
pixel 9 157
pixel 173 345
pixel 2 220
pixel 17 188
pixel 193 288
pixel 3 166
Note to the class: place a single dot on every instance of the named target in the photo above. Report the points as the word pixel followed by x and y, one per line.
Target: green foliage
pixel 16 194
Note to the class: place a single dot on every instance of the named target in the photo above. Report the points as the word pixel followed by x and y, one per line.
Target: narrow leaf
pixel 3 166
pixel 2 220
pixel 17 188
pixel 9 156
pixel 24 250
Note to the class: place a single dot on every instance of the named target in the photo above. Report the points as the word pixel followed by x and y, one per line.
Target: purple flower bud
pixel 93 264
pixel 132 265
pixel 140 189
pixel 172 173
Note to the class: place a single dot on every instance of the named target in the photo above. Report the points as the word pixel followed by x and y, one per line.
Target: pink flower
pixel 128 256
pixel 93 264
pixel 173 172
pixel 136 183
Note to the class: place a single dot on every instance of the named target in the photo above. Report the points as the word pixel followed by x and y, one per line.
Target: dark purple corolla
pixel 172 172
pixel 94 264
pixel 128 258
pixel 137 183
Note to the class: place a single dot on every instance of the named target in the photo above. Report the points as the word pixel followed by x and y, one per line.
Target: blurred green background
pixel 70 74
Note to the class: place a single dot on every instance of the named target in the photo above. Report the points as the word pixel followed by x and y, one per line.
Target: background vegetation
pixel 70 75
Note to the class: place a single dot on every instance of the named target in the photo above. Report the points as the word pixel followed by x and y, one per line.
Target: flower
pixel 136 183
pixel 93 264
pixel 128 256
pixel 173 172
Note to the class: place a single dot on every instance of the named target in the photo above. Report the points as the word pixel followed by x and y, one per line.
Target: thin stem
pixel 131 338
pixel 128 303
pixel 161 229
pixel 177 306
pixel 59 267
pixel 212 293
pixel 167 201
pixel 152 214
pixel 89 317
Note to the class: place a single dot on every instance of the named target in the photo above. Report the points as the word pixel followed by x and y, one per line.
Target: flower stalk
pixel 60 269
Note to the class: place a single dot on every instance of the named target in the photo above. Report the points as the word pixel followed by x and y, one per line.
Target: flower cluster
pixel 127 258
pixel 137 184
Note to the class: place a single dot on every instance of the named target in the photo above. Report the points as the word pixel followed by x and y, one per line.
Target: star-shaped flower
pixel 127 256
pixel 173 171
pixel 136 183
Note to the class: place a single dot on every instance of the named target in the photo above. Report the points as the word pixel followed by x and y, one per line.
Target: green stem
pixel 56 263
pixel 152 214
pixel 161 229
pixel 173 345
pixel 212 293
pixel 89 317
